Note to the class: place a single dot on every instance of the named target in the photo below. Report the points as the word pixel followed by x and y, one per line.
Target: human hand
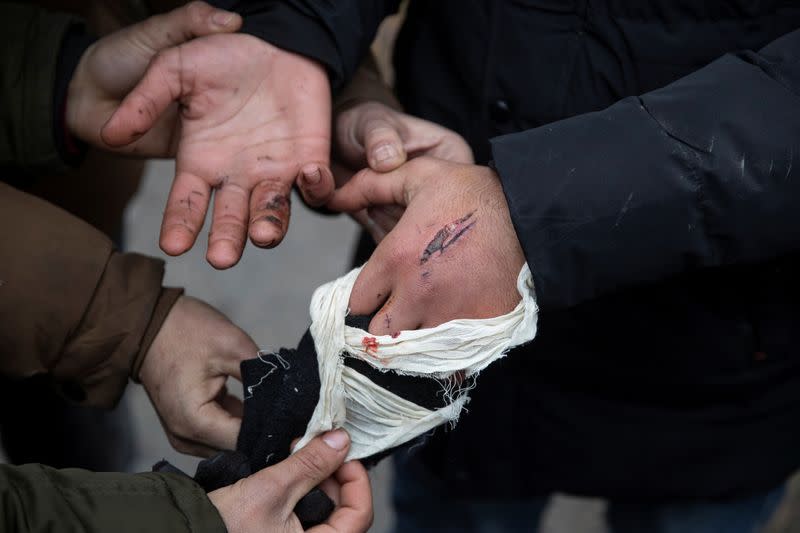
pixel 254 119
pixel 453 254
pixel 375 135
pixel 185 372
pixel 112 66
pixel 265 500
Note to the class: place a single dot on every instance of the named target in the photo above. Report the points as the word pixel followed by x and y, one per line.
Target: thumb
pixel 195 19
pixel 368 188
pixel 382 144
pixel 310 466
pixel 141 108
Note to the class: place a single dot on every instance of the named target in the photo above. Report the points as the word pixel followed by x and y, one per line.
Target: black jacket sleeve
pixel 337 34
pixel 702 173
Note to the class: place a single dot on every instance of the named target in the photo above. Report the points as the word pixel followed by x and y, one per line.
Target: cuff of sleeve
pixel 99 356
pixel 191 499
pixel 167 298
pixel 291 29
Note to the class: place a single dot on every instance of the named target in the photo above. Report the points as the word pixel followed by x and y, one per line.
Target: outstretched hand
pixel 453 254
pixel 253 120
pixel 375 135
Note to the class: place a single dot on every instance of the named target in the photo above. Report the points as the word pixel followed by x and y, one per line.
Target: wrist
pixel 168 298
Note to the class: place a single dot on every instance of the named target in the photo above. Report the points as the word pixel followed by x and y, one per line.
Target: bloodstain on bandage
pixel 370 345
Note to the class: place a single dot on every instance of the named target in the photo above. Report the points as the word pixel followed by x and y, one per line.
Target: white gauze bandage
pixel 375 418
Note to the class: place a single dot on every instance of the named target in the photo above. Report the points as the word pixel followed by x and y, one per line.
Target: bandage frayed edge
pixel 375 418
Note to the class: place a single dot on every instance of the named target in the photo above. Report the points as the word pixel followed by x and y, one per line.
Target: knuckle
pixel 196 12
pixel 361 178
pixel 274 490
pixel 178 444
pixel 160 59
pixel 399 255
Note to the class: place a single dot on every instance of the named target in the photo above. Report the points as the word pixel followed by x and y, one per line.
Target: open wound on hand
pixel 447 236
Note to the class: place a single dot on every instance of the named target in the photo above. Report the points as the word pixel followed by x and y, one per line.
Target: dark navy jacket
pixel 650 156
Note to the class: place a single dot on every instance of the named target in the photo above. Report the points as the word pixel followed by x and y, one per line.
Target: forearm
pixel 38 498
pixel 697 174
pixel 72 307
pixel 336 34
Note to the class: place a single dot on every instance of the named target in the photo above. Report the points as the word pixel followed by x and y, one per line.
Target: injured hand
pixel 386 391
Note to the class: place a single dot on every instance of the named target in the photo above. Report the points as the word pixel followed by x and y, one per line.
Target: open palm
pixel 253 119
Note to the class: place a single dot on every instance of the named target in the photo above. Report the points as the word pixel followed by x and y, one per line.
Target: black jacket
pixel 660 221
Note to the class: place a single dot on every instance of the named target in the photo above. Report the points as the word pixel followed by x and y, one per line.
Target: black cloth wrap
pixel 281 392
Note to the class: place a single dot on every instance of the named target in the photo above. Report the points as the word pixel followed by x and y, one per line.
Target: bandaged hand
pixel 375 135
pixel 253 120
pixel 185 373
pixel 265 500
pixel 453 254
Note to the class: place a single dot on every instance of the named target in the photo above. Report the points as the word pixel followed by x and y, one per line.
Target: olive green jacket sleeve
pixel 36 498
pixel 30 40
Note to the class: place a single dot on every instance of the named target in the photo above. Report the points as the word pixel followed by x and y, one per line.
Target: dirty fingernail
pixel 336 439
pixel 384 152
pixel 222 18
pixel 312 176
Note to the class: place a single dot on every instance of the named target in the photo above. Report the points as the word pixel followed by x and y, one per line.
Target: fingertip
pixel 225 20
pixel 386 156
pixel 316 184
pixel 338 439
pixel 113 134
pixel 267 231
pixel 176 241
pixel 222 255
